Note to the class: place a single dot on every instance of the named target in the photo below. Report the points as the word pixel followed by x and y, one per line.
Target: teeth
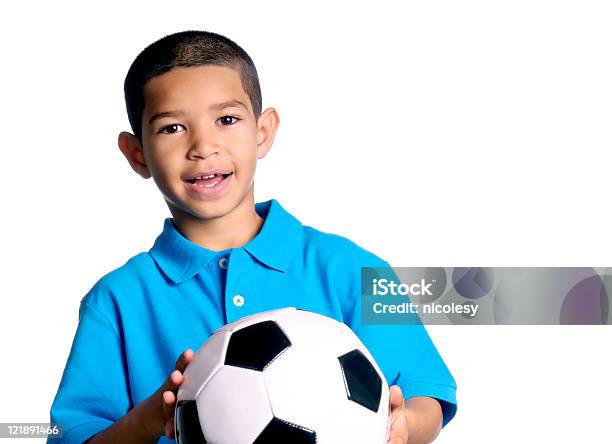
pixel 213 183
pixel 204 177
pixel 210 185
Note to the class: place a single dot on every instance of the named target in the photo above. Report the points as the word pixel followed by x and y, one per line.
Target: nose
pixel 203 144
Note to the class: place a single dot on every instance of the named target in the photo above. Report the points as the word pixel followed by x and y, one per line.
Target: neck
pixel 231 230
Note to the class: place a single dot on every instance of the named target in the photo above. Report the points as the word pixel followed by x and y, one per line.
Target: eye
pixel 171 127
pixel 228 120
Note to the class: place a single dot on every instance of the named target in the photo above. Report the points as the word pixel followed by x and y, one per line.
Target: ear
pixel 267 124
pixel 131 148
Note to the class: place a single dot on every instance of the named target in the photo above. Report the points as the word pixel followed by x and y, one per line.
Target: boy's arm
pixel 153 417
pixel 93 398
pixel 410 360
pixel 129 428
pixel 94 389
pixel 405 353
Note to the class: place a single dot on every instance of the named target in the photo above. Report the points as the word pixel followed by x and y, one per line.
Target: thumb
pixel 396 398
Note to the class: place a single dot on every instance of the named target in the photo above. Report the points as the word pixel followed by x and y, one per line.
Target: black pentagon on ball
pixel 362 382
pixel 188 428
pixel 279 432
pixel 256 346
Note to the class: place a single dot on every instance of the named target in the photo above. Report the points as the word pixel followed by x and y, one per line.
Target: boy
pixel 194 104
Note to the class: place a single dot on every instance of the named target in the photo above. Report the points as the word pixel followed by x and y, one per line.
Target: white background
pixel 472 133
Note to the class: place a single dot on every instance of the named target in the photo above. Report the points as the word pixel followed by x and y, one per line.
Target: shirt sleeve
pixel 93 392
pixel 404 352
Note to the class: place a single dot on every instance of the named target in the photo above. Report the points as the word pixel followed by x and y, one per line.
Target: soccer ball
pixel 283 376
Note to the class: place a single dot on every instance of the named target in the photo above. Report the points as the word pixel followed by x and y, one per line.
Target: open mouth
pixel 209 181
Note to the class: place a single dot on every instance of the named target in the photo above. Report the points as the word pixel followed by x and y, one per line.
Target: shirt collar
pixel 277 242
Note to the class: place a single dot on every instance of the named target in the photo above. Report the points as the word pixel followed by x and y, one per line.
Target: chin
pixel 203 209
pixel 213 209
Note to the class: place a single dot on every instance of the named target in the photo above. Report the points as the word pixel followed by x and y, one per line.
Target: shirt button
pixel 223 262
pixel 238 300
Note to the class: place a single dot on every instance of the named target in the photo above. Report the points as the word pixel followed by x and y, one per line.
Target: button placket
pixel 239 285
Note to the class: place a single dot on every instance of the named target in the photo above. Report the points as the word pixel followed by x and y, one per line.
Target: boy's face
pixel 200 140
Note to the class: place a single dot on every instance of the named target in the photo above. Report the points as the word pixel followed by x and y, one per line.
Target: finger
pixel 396 440
pixel 169 398
pixel 184 359
pixel 396 397
pixel 170 429
pixel 169 401
pixel 174 380
pixel 398 429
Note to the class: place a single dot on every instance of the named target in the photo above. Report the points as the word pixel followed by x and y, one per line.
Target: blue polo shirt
pixel 137 319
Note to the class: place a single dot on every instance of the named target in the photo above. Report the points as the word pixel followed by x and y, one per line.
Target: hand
pixel 170 389
pixel 158 416
pixel 398 429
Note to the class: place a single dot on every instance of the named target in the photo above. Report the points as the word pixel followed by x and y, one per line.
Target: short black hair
pixel 186 48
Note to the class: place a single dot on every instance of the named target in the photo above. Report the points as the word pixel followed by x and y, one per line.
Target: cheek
pixel 243 151
pixel 165 167
pixel 247 162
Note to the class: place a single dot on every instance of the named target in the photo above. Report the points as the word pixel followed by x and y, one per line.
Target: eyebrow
pixel 216 106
